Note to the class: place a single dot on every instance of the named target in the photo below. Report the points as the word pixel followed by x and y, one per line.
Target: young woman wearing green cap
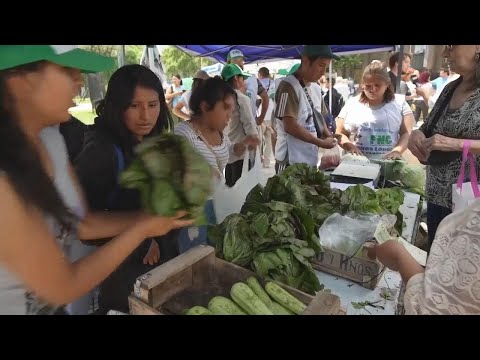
pixel 43 212
pixel 242 124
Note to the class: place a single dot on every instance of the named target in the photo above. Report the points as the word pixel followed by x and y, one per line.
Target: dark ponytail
pixel 21 163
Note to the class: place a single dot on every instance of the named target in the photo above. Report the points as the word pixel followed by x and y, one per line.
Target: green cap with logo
pixel 232 70
pixel 289 71
pixel 322 51
pixel 65 55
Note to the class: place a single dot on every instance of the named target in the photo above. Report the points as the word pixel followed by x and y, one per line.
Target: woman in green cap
pixel 43 211
pixel 242 125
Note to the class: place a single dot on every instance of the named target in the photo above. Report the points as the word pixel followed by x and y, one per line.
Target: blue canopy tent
pixel 265 53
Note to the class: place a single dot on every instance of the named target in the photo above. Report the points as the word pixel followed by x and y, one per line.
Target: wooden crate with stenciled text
pixel 358 268
pixel 196 276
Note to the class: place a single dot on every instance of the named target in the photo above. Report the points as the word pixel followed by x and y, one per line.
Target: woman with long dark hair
pixel 134 108
pixel 42 210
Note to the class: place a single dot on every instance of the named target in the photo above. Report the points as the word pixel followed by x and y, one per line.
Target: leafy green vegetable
pixel 391 199
pixel 237 246
pixel 170 176
pixel 412 176
pixel 284 266
pixel 360 199
pixel 276 233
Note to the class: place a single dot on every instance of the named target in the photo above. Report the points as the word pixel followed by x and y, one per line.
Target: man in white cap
pixel 254 86
pixel 254 89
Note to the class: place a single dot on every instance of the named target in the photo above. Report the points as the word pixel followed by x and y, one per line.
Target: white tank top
pixel 14 298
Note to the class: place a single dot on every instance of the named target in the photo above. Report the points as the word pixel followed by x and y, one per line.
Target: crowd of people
pixel 68 226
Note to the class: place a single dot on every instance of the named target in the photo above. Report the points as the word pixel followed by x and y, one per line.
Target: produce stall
pixel 268 253
pixel 275 236
pixel 199 283
pixel 386 296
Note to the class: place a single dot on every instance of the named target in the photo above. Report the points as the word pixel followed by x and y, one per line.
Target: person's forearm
pixel 457 145
pixel 342 139
pixel 402 143
pixel 181 114
pixel 300 133
pixel 89 271
pixel 170 96
pixel 408 266
pixel 105 224
pixel 475 147
pixel 265 101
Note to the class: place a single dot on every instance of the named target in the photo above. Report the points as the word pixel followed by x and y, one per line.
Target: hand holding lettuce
pixel 171 176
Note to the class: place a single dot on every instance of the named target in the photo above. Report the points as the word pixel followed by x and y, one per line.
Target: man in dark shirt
pixel 393 64
pixel 73 132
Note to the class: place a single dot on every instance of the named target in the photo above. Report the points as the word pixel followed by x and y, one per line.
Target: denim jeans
pixel 435 215
pixel 196 235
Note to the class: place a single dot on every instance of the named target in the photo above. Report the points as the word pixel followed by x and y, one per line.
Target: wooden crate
pixel 196 276
pixel 359 268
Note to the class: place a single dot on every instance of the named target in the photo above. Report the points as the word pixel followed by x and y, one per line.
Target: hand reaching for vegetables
pixel 351 148
pixel 393 155
pixel 153 254
pixel 153 226
pixel 389 253
pixel 327 143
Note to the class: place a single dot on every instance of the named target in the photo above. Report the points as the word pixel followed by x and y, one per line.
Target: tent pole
pixel 400 68
pixel 330 85
pixel 121 56
pixel 151 57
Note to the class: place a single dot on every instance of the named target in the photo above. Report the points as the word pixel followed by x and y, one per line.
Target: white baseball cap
pixel 234 54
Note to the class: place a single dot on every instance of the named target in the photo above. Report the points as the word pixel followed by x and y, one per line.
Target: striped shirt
pixel 222 151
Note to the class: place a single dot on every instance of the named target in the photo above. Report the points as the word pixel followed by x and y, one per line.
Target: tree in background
pixel 347 65
pixel 133 54
pixel 177 61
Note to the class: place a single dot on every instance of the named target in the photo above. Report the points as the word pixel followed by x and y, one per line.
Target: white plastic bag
pixel 347 233
pixel 229 200
pixel 464 194
pixel 330 158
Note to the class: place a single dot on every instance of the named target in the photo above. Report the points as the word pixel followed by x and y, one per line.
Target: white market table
pixel 390 282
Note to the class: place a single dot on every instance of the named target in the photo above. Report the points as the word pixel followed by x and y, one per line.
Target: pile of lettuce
pixel 275 234
pixel 171 176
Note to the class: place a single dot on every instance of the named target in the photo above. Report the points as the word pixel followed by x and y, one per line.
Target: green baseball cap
pixel 322 51
pixel 289 71
pixel 232 70
pixel 65 55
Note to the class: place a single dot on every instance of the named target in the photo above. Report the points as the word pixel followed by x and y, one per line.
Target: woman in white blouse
pixel 450 282
pixel 377 123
